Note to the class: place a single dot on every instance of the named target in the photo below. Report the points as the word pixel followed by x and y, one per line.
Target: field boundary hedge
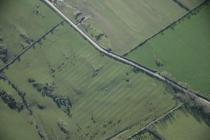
pixel 191 12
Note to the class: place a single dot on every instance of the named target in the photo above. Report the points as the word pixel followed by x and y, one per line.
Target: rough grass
pixel 107 96
pixel 184 51
pixel 19 18
pixel 183 126
pixel 126 23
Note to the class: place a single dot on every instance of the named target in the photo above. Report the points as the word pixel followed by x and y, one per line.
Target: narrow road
pixel 125 60
pixel 110 54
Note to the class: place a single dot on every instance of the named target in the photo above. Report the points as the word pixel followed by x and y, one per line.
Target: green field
pixel 181 52
pixel 21 23
pixel 183 126
pixel 123 23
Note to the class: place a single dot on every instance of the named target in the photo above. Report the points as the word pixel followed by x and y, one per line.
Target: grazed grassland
pixel 122 24
pixel 182 52
pixel 106 96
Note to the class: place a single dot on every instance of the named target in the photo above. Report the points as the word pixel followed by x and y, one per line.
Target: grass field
pixel 23 22
pixel 183 126
pixel 122 24
pixel 106 96
pixel 182 52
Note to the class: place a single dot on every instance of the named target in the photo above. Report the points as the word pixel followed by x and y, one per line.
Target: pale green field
pixel 183 127
pixel 19 18
pixel 183 51
pixel 106 96
pixel 126 23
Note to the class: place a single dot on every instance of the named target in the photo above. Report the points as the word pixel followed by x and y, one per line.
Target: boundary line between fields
pixel 167 27
pixel 181 5
pixel 155 121
pixel 30 46
pixel 146 126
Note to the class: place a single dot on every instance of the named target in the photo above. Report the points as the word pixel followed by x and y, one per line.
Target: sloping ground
pixel 183 126
pixel 182 52
pixel 122 24
pixel 105 96
pixel 21 23
pixel 191 3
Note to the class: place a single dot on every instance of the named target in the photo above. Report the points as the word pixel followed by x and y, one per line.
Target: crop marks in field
pixel 71 91
pixel 106 96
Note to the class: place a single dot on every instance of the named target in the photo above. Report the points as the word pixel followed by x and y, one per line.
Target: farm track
pixel 167 27
pixel 29 47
